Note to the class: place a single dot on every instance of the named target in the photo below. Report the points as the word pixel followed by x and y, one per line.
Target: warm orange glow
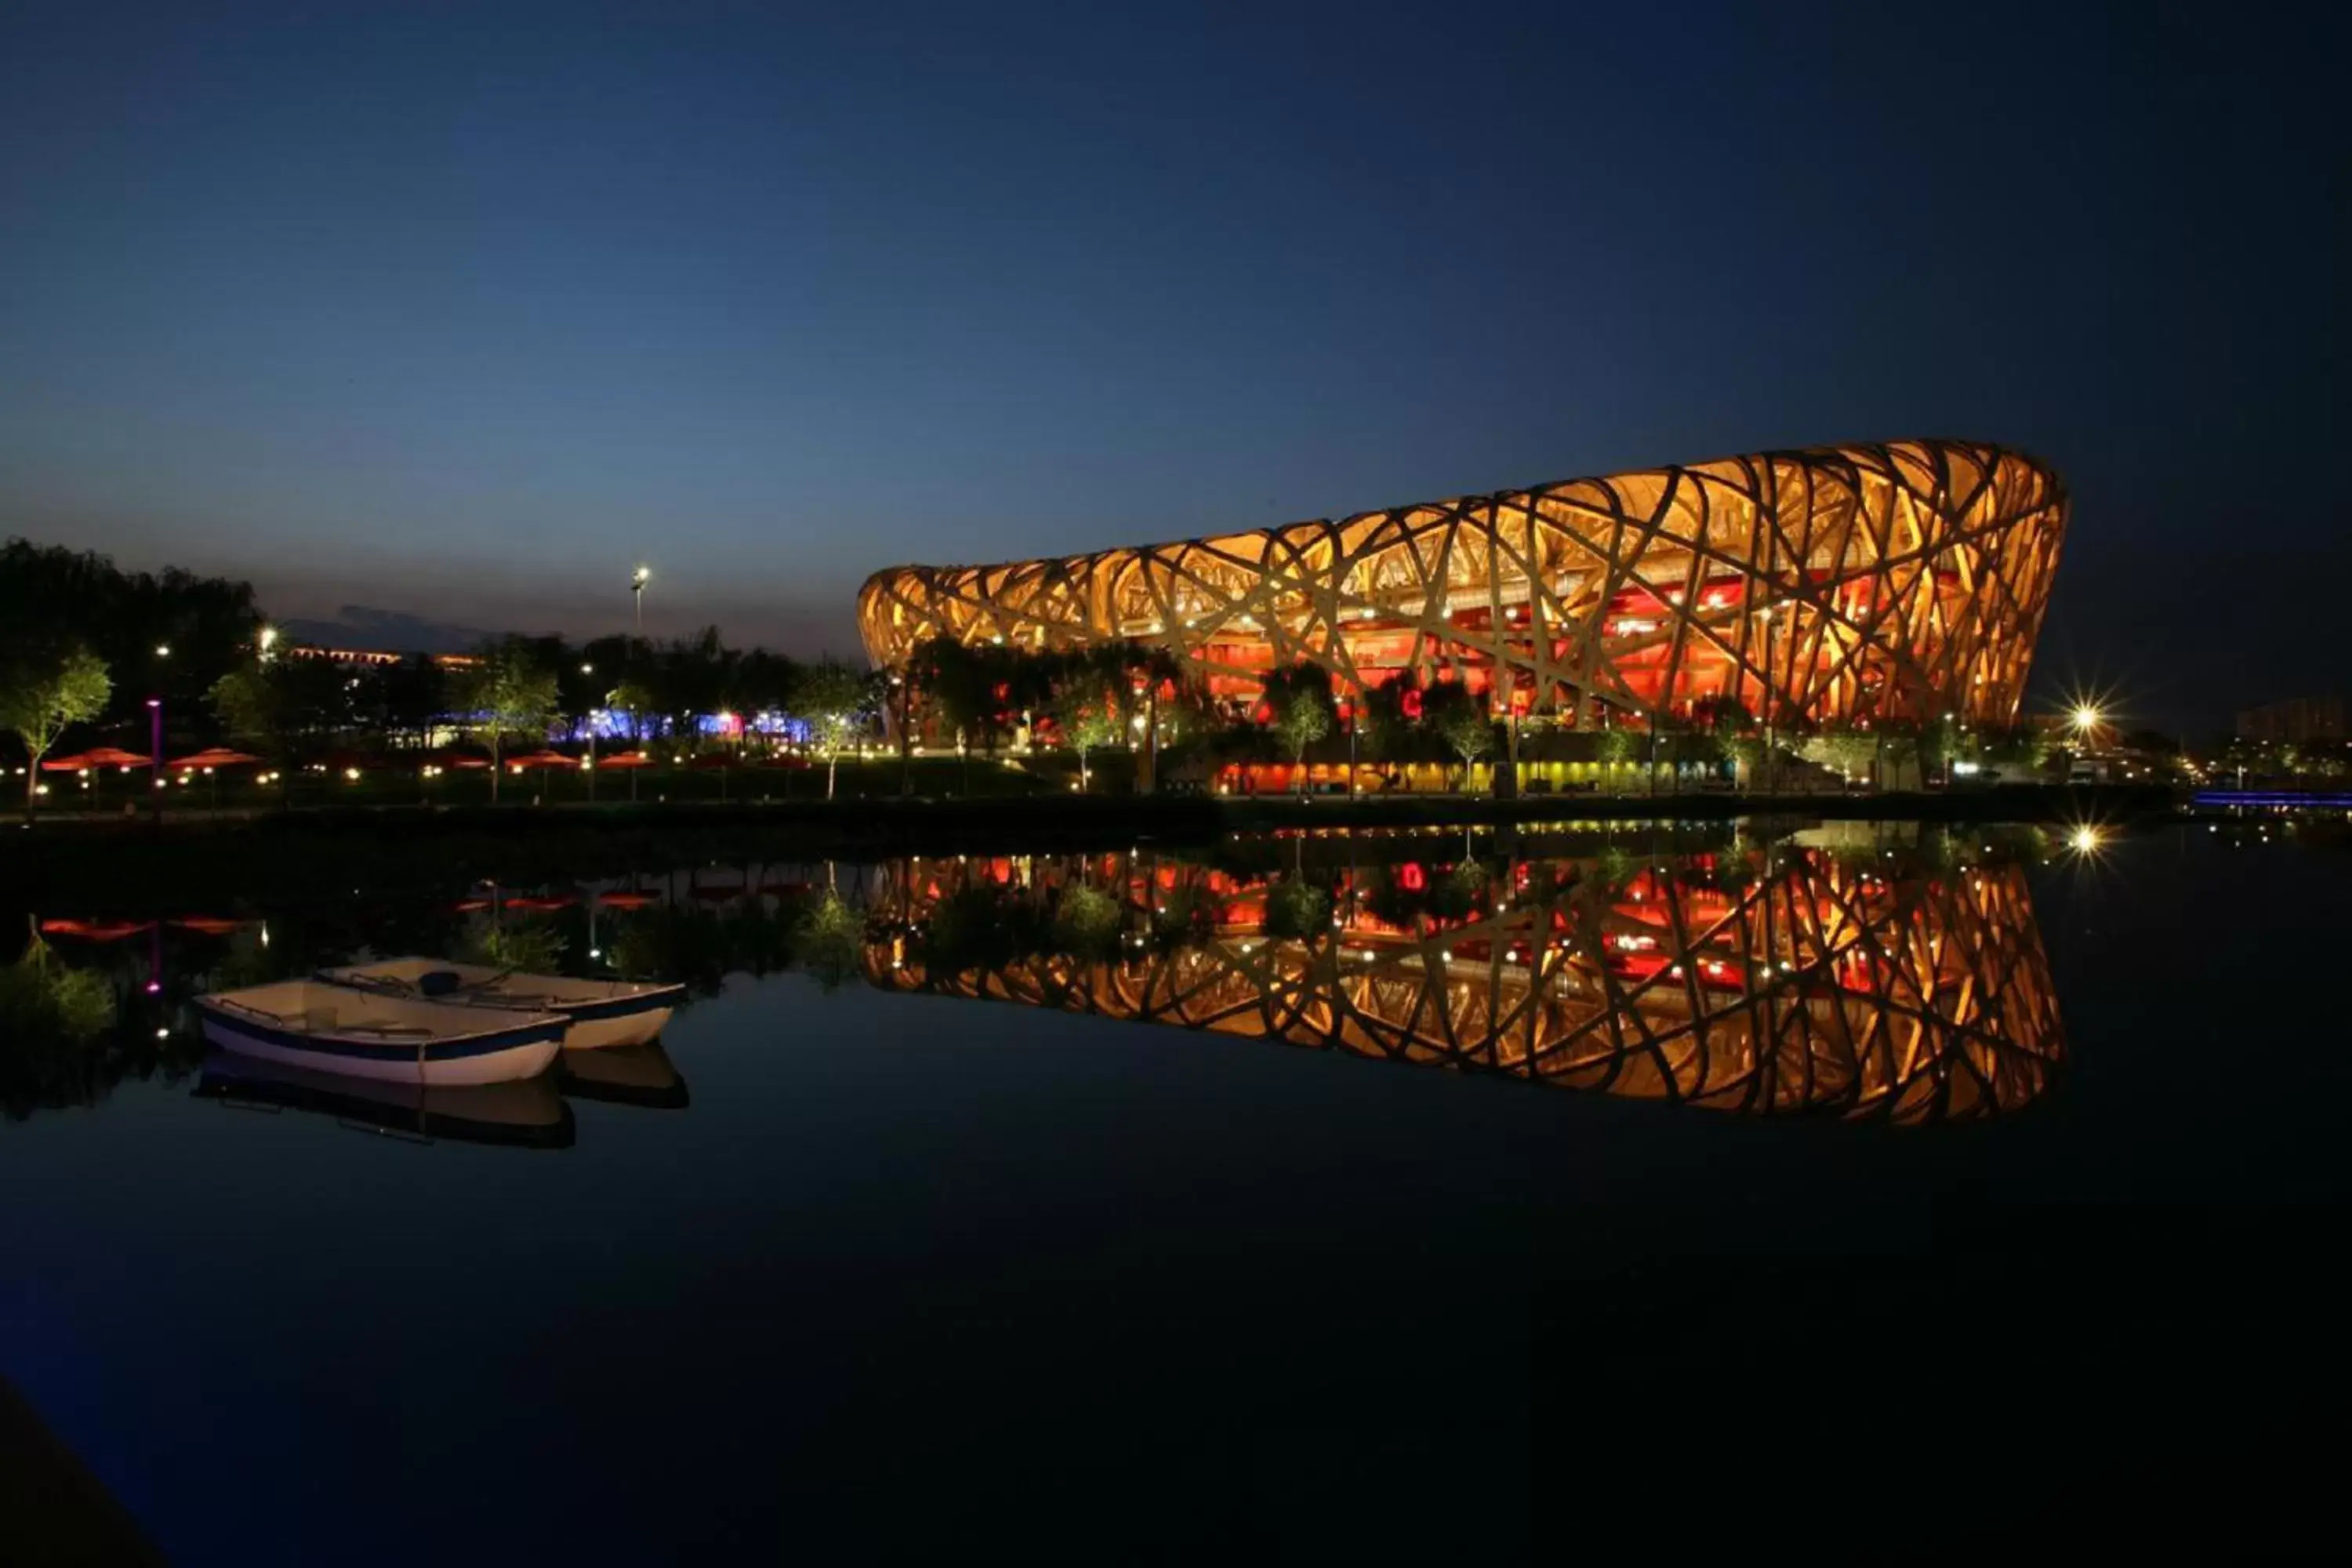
pixel 1835 585
pixel 1797 983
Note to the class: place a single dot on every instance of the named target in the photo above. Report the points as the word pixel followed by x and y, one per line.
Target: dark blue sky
pixel 462 309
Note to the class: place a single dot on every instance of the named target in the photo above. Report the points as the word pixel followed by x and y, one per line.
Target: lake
pixel 1775 1183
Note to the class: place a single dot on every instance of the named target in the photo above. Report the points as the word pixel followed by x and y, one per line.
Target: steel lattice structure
pixel 1822 587
pixel 1815 987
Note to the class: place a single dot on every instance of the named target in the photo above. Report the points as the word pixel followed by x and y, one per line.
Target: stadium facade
pixel 1826 586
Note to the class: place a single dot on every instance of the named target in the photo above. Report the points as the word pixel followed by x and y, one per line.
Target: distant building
pixel 363 658
pixel 2297 718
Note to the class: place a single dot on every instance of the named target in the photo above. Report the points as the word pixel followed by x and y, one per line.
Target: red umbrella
pixel 95 930
pixel 625 760
pixel 218 757
pixel 542 759
pixel 628 901
pixel 543 902
pixel 72 764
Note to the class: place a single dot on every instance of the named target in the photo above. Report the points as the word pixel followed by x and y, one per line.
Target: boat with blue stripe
pixel 365 1034
pixel 597 1013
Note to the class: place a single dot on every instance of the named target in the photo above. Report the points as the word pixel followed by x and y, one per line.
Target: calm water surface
pixel 1973 1187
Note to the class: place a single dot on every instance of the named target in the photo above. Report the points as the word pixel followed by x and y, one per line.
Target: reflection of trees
pixel 61 1040
pixel 1909 983
pixel 533 945
pixel 699 947
pixel 831 935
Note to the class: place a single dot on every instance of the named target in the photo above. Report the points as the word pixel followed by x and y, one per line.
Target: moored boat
pixel 376 1035
pixel 599 1012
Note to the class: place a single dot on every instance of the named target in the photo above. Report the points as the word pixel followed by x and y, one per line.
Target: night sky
pixel 461 310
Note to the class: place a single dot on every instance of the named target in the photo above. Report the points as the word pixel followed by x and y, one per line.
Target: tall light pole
pixel 590 670
pixel 155 732
pixel 637 580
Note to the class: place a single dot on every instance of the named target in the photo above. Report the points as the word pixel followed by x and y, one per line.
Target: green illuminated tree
pixel 1459 717
pixel 1300 700
pixel 512 691
pixel 41 693
pixel 836 698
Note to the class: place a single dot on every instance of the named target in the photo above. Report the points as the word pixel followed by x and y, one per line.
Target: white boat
pixel 373 1034
pixel 599 1012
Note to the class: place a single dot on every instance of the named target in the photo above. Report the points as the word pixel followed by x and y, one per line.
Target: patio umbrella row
pixel 114 757
pixel 220 757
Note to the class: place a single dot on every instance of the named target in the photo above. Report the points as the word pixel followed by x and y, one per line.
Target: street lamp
pixel 156 738
pixel 637 580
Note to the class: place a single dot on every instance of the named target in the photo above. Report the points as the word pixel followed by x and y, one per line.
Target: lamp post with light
pixel 637 580
pixel 155 732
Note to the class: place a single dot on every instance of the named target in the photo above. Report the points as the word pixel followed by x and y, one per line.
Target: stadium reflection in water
pixel 1906 984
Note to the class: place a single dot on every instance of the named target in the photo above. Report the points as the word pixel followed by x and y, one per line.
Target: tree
pixel 52 599
pixel 1731 736
pixel 836 698
pixel 508 690
pixel 41 694
pixel 1849 753
pixel 959 689
pixel 1087 720
pixel 1459 717
pixel 284 707
pixel 408 697
pixel 1299 698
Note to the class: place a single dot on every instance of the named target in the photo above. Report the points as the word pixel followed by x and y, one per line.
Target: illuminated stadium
pixel 1822 587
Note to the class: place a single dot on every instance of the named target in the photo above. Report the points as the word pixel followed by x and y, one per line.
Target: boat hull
pixel 480 1062
pixel 593 1034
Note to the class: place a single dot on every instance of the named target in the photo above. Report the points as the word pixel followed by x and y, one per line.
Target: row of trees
pixel 84 643
pixel 524 689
